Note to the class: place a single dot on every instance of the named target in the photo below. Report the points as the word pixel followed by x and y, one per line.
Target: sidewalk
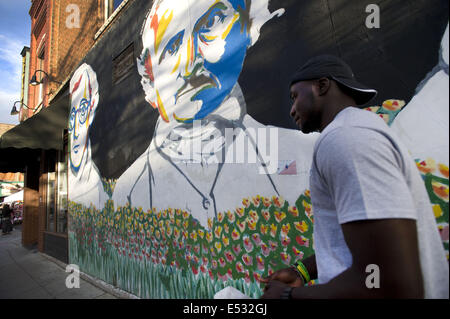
pixel 28 274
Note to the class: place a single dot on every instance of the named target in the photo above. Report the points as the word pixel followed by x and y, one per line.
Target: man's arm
pixel 291 277
pixel 391 244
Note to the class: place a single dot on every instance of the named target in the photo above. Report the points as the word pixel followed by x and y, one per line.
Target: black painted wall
pixel 393 59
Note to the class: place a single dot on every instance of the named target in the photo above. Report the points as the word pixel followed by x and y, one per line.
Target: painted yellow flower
pixel 278 201
pixel 256 200
pixel 218 231
pixel 254 215
pixel 441 190
pixel 273 230
pixel 427 166
pixel 393 105
pixel 201 233
pixel 231 217
pixel 264 229
pixel 240 212
pixel 301 227
pixel 285 229
pixel 210 223
pixel 220 217
pixel 293 210
pixel 194 236
pixel 307 206
pixel 209 237
pixel 235 234
pixel 279 216
pixel 251 223
pixel 225 241
pixel 443 169
pixel 218 246
pixel 226 228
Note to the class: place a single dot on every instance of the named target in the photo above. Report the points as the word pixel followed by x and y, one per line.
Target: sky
pixel 15 31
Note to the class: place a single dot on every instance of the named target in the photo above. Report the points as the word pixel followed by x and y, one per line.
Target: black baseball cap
pixel 335 68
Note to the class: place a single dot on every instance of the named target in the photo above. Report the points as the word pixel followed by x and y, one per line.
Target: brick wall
pixel 64 46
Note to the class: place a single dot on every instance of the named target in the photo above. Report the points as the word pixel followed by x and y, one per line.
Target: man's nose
pixel 293 110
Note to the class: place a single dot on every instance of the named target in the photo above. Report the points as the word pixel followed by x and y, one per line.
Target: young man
pixel 375 234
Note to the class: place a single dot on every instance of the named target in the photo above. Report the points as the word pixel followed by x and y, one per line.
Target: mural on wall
pixel 187 218
pixel 85 186
pixel 424 128
pixel 189 71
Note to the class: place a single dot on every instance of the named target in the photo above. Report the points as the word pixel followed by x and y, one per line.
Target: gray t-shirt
pixel 361 171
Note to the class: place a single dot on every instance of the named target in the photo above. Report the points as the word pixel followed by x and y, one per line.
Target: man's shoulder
pixel 353 125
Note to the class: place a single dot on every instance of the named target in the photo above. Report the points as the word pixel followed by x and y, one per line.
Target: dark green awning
pixel 42 131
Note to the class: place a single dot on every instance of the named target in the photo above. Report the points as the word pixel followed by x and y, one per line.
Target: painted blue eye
pixel 73 115
pixel 84 105
pixel 173 46
pixel 215 18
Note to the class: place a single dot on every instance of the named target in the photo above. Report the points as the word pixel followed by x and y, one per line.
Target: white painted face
pixel 193 52
pixel 444 46
pixel 84 100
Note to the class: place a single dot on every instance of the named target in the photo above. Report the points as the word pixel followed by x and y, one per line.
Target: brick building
pixel 62 32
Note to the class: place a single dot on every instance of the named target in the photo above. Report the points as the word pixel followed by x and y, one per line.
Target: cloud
pixel 10 76
pixel 6 103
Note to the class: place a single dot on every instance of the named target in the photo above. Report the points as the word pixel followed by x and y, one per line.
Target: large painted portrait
pixel 85 186
pixel 189 71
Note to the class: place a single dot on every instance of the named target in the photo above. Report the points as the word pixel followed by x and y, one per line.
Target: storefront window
pixel 62 193
pixel 56 205
pixel 51 183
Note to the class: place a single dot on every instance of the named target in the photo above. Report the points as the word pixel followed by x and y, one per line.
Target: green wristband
pixel 301 269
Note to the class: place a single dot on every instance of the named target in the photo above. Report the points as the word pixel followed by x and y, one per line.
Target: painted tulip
pixel 285 240
pixel 248 260
pixel 285 229
pixel 256 239
pixel 248 244
pixel 229 256
pixel 286 258
pixel 239 267
pixel 240 212
pixel 293 210
pixel 264 229
pixel 235 234
pixel 265 250
pixel 260 262
pixel 231 217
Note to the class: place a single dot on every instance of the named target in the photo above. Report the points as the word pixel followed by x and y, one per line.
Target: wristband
pixel 301 269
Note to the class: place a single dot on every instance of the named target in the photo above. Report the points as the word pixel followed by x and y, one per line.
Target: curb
pixel 108 288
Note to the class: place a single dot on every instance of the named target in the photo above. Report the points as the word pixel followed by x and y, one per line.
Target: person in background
pixel 6 223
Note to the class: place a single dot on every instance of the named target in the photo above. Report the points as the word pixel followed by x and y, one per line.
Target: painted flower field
pixel 168 254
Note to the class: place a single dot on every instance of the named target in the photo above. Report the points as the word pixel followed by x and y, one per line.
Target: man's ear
pixel 323 85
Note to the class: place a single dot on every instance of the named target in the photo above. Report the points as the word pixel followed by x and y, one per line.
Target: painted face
pixel 84 99
pixel 305 114
pixel 188 65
